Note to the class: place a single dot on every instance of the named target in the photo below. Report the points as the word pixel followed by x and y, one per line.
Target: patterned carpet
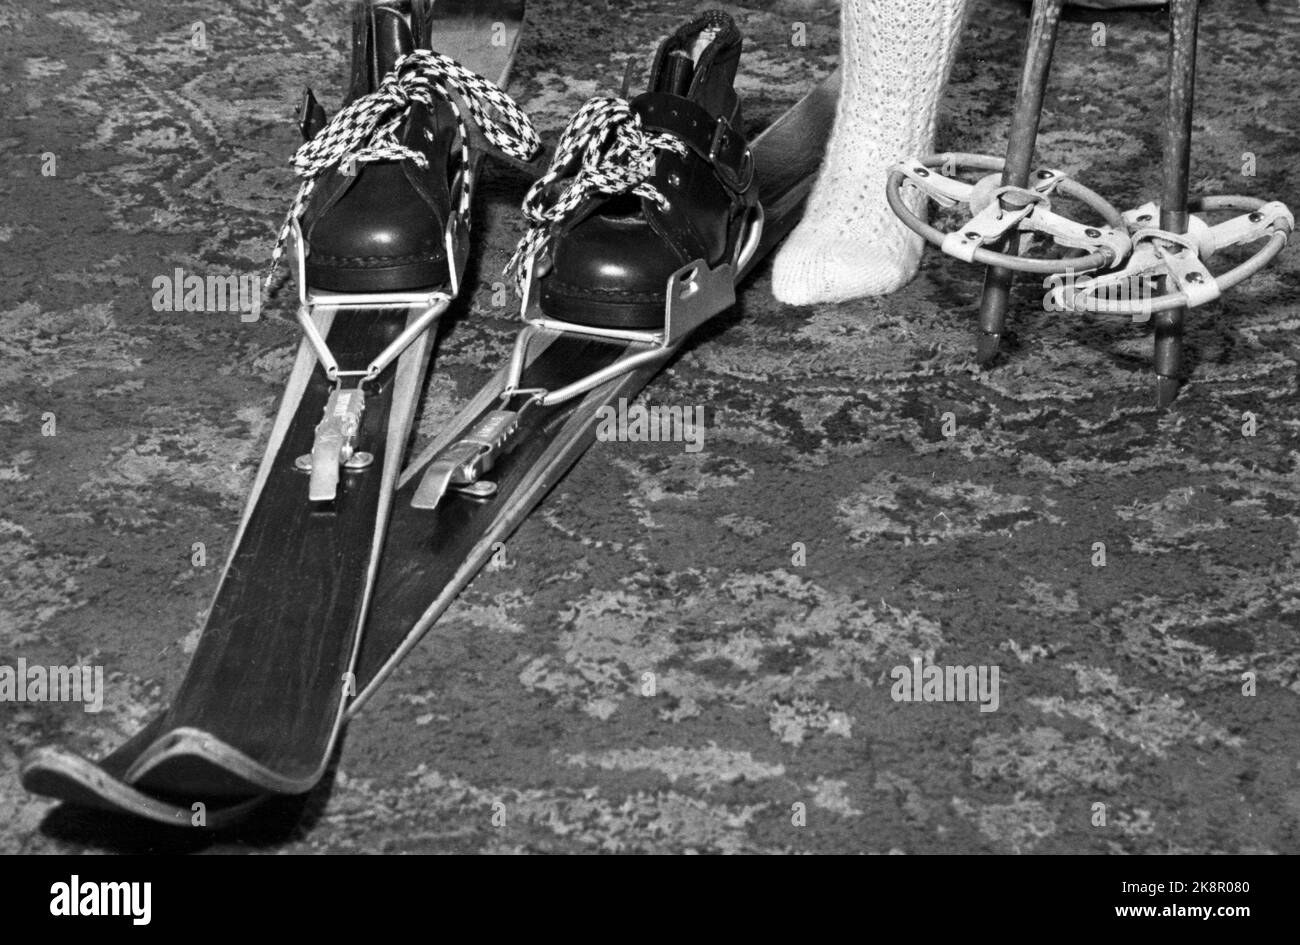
pixel 685 651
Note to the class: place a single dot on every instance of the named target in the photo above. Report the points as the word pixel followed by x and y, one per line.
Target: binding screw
pixel 1145 218
pixel 972 235
pixel 1044 174
pixel 1092 233
pixel 1256 217
pixel 1195 278
pixel 922 172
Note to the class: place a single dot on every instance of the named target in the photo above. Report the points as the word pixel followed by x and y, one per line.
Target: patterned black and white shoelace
pixel 607 151
pixel 365 130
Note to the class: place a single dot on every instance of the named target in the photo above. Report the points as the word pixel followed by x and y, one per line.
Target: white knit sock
pixel 896 56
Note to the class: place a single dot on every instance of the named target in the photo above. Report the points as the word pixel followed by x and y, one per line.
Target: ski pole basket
pixel 1149 263
pixel 999 211
pixel 1179 261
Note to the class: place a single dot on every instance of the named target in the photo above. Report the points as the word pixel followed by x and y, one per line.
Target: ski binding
pixel 461 464
pixel 334 443
pixel 694 293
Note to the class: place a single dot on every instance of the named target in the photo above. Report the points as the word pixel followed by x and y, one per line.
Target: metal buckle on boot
pixel 739 179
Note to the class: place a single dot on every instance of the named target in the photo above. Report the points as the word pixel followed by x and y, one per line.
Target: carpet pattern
pixel 682 651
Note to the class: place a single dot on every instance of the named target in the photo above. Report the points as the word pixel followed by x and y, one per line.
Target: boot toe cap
pixel 609 272
pixel 378 237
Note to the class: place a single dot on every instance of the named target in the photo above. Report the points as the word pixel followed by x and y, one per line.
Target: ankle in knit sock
pixel 896 56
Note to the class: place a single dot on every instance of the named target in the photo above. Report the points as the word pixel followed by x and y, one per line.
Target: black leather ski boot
pixel 639 189
pixel 384 186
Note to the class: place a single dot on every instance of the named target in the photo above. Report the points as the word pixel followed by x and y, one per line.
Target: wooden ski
pixel 430 555
pixel 263 702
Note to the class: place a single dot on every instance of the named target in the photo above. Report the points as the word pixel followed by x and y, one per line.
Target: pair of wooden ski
pixel 267 694
pixel 263 702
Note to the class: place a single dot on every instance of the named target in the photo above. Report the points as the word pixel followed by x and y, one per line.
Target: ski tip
pixel 81 784
pixel 191 763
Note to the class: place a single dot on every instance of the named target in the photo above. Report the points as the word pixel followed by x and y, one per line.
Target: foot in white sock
pixel 896 56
